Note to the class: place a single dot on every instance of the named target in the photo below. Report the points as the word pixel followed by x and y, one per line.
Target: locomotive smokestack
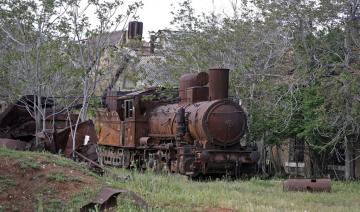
pixel 218 83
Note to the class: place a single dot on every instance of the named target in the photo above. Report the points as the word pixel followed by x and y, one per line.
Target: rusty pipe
pixel 310 185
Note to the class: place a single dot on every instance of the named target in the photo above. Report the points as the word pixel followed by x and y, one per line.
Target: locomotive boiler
pixel 197 132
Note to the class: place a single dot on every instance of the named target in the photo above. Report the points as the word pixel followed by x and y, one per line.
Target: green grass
pixel 61 177
pixel 34 160
pixel 37 160
pixel 177 193
pixel 82 198
pixel 6 183
pixel 27 164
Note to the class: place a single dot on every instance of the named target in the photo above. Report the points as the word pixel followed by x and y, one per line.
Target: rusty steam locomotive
pixel 198 133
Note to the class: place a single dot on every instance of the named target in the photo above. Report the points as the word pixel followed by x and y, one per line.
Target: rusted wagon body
pixel 196 133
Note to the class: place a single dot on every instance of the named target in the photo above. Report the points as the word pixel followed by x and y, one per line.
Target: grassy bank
pixel 162 192
pixel 176 193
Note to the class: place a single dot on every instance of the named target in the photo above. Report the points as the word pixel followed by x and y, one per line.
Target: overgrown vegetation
pixel 34 160
pixel 44 181
pixel 177 193
pixel 6 182
pixel 61 177
pixel 294 66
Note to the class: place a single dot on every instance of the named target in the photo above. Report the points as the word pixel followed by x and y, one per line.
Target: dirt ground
pixel 33 185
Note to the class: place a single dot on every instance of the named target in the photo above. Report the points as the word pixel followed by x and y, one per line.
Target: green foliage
pixel 291 64
pixel 177 193
pixel 30 160
pixel 171 192
pixel 61 177
pixel 6 182
pixel 28 164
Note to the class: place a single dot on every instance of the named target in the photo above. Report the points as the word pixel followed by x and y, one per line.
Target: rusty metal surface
pixel 13 144
pixel 107 198
pixel 13 115
pixel 111 99
pixel 17 112
pixel 197 94
pixel 206 133
pixel 136 126
pixel 109 127
pixel 193 161
pixel 129 133
pixel 162 120
pixel 310 185
pixel 186 80
pixel 64 142
pixel 220 122
pixel 218 83
pixel 17 123
pixel 92 163
pixel 191 80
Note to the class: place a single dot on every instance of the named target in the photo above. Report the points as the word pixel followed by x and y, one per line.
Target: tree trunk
pixel 348 160
pixel 262 160
pixel 116 77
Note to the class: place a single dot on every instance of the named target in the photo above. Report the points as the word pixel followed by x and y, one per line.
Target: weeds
pixel 82 198
pixel 126 204
pixel 5 183
pixel 28 164
pixel 177 193
pixel 170 192
pixel 61 177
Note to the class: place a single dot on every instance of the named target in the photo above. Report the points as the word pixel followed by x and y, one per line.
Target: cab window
pixel 129 108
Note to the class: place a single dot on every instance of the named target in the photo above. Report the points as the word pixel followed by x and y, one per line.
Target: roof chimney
pixel 135 30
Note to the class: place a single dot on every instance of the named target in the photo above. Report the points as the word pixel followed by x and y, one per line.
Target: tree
pixel 53 48
pixel 294 65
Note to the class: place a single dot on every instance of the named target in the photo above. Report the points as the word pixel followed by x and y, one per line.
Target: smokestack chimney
pixel 218 84
pixel 152 44
pixel 135 30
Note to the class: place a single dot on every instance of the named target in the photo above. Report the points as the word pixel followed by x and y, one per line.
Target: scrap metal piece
pixel 13 144
pixel 16 121
pixel 311 185
pixel 92 163
pixel 110 126
pixel 85 139
pixel 107 198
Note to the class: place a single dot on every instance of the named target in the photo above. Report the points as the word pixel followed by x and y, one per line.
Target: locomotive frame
pixel 197 133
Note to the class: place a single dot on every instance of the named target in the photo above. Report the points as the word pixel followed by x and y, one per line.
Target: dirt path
pixel 27 185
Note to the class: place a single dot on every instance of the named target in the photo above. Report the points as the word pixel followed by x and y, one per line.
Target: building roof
pixel 108 39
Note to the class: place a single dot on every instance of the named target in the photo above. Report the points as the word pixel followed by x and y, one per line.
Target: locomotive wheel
pixel 151 164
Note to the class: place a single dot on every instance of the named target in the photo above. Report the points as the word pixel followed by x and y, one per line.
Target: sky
pixel 156 14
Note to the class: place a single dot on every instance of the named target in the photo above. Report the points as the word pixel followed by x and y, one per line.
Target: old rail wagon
pixel 196 132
